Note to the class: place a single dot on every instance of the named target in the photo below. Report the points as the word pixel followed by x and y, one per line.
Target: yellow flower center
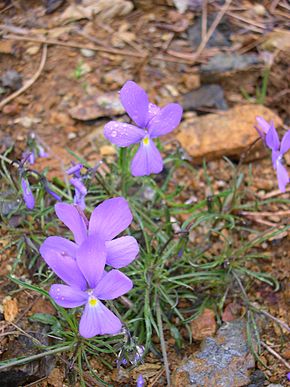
pixel 93 302
pixel 146 141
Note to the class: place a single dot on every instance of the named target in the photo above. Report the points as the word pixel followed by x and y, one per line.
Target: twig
pixel 28 83
pixel 204 19
pixel 73 45
pixel 212 28
pixel 155 380
pixel 272 194
pixel 274 353
pixel 265 213
pixel 277 320
pixel 162 341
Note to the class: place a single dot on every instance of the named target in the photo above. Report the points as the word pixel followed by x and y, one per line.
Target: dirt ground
pixel 76 58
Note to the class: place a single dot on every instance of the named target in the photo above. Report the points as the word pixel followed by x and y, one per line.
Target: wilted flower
pixel 107 220
pixel 152 122
pixel 27 194
pixel 34 149
pixel 88 284
pixel 80 188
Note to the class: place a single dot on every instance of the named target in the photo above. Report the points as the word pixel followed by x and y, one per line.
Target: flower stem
pixel 123 166
pixel 162 341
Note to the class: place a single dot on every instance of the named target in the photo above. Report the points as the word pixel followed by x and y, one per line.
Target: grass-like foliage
pixel 174 277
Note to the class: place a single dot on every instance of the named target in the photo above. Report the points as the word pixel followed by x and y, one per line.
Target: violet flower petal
pixel 91 259
pixel 122 134
pixel 153 110
pixel 282 175
pixel 70 216
pixel 113 285
pixel 77 183
pixel 272 138
pixel 61 245
pixel 31 158
pixel 79 200
pixel 263 125
pixel 121 251
pixel 135 102
pixel 166 120
pixel 67 296
pixel 110 218
pixel 140 381
pixel 27 194
pixel 147 160
pixel 64 266
pixel 285 143
pixel 75 169
pixel 98 320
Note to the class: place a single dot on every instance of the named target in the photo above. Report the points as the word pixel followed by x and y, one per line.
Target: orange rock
pixel 204 325
pixel 228 134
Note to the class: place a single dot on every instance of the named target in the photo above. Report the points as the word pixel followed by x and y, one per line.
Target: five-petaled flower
pixel 270 136
pixel 87 284
pixel 152 122
pixel 108 219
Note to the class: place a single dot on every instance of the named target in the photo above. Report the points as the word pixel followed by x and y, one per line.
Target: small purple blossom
pixel 151 121
pixel 262 127
pixel 76 182
pixel 278 149
pixel 88 284
pixel 288 376
pixel 27 194
pixel 140 381
pixel 107 220
pixel 52 193
pixel 34 150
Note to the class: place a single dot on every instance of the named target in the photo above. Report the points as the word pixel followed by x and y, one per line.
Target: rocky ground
pixel 61 66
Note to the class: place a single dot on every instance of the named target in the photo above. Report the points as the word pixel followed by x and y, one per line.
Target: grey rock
pixel 223 361
pixel 11 79
pixel 257 379
pixel 211 96
pixel 230 62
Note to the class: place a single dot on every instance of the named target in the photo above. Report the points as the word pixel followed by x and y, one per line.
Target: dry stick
pixel 93 48
pixel 28 83
pixel 274 353
pixel 73 45
pixel 204 20
pixel 212 28
pixel 277 320
pixel 274 193
pixel 265 213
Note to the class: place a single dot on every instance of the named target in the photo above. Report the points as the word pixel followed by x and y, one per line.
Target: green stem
pixel 162 341
pixel 22 360
pixel 123 166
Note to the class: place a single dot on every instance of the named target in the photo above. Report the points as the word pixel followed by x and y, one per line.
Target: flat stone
pixel 227 134
pixel 208 96
pixel 93 107
pixel 223 361
pixel 230 62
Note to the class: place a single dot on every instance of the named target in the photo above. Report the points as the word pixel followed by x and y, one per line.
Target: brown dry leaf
pixel 277 40
pixel 204 325
pixel 107 150
pixel 10 308
pixel 232 312
pixel 7 47
pixel 89 8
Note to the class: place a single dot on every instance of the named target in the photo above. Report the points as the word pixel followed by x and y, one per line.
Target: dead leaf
pixel 89 8
pixel 10 308
pixel 204 325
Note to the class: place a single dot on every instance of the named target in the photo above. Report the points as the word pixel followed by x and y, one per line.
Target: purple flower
pixel 140 381
pixel 76 181
pixel 108 220
pixel 288 376
pixel 262 127
pixel 152 122
pixel 27 194
pixel 278 150
pixel 88 284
